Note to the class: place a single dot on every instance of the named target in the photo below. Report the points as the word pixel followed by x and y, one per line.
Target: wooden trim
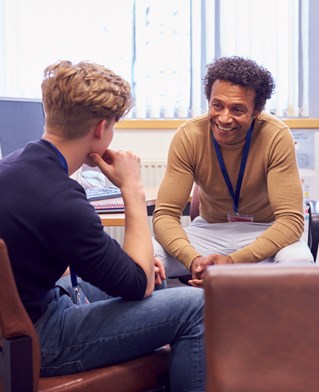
pixel 302 123
pixel 147 124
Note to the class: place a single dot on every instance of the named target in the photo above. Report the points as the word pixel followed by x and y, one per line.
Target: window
pixel 161 47
pixel 269 32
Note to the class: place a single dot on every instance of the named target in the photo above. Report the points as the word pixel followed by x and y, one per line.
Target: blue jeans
pixel 109 330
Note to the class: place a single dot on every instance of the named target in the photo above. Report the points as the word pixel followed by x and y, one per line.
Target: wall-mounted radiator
pixel 152 172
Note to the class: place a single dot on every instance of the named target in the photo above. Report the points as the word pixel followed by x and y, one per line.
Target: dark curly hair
pixel 244 72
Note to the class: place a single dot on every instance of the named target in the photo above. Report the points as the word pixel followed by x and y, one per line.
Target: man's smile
pixel 225 129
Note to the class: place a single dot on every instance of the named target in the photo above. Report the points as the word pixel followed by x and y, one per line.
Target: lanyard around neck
pixel 64 164
pixel 60 156
pixel 234 195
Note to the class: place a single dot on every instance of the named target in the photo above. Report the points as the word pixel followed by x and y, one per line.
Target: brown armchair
pixel 261 328
pixel 20 354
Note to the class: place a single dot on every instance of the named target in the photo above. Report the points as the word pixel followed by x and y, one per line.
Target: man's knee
pixel 297 253
pixel 172 266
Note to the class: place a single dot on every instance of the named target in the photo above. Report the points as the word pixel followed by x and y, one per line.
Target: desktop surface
pixel 118 219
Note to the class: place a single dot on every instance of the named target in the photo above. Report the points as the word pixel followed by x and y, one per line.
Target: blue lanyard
pixel 60 156
pixel 64 164
pixel 235 196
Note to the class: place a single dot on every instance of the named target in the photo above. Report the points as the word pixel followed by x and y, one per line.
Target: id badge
pixel 80 296
pixel 236 217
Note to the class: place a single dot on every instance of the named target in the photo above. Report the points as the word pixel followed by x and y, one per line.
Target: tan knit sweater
pixel 271 188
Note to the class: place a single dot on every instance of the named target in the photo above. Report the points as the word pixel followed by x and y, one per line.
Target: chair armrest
pixel 313 206
pixel 16 358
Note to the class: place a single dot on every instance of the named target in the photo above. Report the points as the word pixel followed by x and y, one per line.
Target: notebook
pixel 108 205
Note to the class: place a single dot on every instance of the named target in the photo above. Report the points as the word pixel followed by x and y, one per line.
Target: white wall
pixel 149 145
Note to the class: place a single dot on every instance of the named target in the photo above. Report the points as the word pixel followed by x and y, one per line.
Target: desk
pixel 118 219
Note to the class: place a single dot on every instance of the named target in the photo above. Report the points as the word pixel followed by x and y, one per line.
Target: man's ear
pixel 256 114
pixel 99 129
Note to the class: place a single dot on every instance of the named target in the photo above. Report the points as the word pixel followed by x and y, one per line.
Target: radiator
pixel 152 172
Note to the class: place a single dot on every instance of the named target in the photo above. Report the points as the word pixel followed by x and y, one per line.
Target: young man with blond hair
pixel 49 225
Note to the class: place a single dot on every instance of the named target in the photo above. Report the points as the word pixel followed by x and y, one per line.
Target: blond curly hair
pixel 77 96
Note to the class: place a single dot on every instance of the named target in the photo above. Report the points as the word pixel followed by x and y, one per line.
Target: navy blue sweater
pixel 48 225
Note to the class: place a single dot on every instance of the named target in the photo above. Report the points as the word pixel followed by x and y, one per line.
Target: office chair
pixel 261 328
pixel 313 227
pixel 20 354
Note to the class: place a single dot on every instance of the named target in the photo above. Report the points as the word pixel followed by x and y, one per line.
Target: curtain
pixel 162 58
pixel 37 33
pixel 269 32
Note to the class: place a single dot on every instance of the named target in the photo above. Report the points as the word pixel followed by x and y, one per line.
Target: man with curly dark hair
pixel 243 161
pixel 240 71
